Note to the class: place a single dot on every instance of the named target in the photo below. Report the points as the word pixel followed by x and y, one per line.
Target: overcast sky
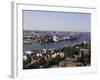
pixel 56 21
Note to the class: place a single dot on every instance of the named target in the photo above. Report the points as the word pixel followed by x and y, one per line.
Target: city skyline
pixel 56 21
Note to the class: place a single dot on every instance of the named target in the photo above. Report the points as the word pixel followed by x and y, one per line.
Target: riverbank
pixel 71 56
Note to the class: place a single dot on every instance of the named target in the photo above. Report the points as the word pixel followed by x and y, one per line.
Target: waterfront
pixel 71 56
pixel 43 51
pixel 56 45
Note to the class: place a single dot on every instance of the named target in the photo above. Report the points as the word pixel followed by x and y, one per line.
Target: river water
pixel 55 45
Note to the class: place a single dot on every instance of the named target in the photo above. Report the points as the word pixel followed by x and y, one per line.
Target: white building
pixel 55 38
pixel 61 54
pixel 28 52
pixel 25 57
pixel 44 50
pixel 84 52
pixel 39 55
pixel 54 55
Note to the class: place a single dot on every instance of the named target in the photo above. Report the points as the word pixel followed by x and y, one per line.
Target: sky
pixel 56 21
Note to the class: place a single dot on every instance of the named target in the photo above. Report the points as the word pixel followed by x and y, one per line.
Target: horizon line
pixel 53 30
